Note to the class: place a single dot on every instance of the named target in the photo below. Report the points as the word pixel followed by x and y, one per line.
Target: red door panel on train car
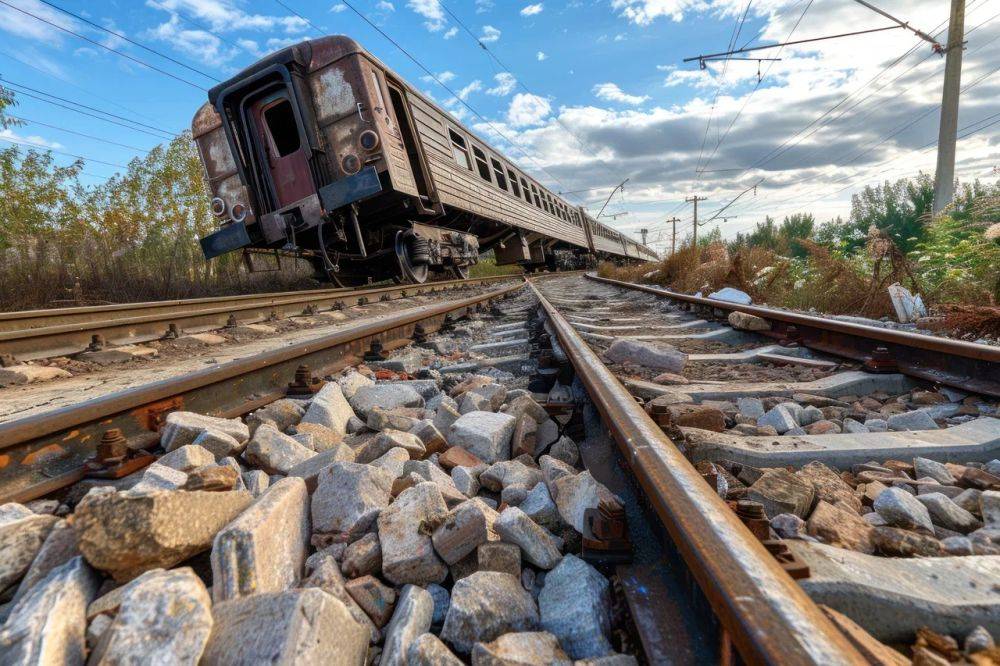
pixel 287 158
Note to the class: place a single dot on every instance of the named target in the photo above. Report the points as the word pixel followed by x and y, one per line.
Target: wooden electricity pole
pixel 944 176
pixel 695 199
pixel 673 234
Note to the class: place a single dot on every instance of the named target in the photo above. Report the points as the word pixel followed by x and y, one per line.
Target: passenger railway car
pixel 320 151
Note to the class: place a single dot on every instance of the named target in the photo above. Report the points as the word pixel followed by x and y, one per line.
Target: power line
pixel 723 54
pixel 58 152
pixel 30 121
pixel 103 46
pixel 129 40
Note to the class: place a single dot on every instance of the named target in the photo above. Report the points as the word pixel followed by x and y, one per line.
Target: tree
pixel 899 208
pixel 796 227
pixel 709 237
pixel 765 234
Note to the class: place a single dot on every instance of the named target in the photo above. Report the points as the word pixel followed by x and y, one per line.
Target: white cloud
pixel 385 6
pixel 505 84
pixel 226 15
pixel 199 44
pixel 451 32
pixel 339 7
pixel 526 110
pixel 531 10
pixel 490 35
pixel 33 140
pixel 22 25
pixel 443 77
pixel 540 56
pixel 475 86
pixel 644 12
pixel 483 6
pixel 432 12
pixel 612 93
pixel 620 37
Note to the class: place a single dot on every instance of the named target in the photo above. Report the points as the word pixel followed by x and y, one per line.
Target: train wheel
pixel 413 257
pixel 459 272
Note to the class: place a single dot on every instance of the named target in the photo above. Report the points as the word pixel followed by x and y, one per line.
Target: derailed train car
pixel 320 151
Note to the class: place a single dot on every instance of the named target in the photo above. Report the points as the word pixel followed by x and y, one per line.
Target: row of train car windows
pixel 507 180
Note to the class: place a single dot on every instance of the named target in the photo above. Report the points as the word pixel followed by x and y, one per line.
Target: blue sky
pixel 609 96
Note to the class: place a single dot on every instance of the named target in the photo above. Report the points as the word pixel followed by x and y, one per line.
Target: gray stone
pixel 167 615
pixel 646 354
pixel 474 402
pixel 282 414
pixel 48 624
pixel 407 550
pixel 525 404
pixel 20 541
pixel 780 491
pixel 977 640
pixel 566 450
pixel 187 458
pixel 410 620
pixel 855 427
pixel 788 526
pixel 391 439
pixel 514 495
pixel 349 497
pixel 386 396
pixel 352 381
pixel 363 557
pixel 809 415
pixel 527 647
pixel 263 550
pixel 917 420
pixel 466 479
pixel 901 509
pixel 947 514
pixel 296 627
pixel 442 600
pixel 463 529
pixel 877 425
pixel 274 451
pixel 256 481
pixel 158 477
pixel 12 511
pixel 795 432
pixel 392 461
pixel 751 408
pixel 58 548
pixel 575 606
pixel 396 419
pixel 127 535
pixel 505 473
pixel 485 605
pixel 220 444
pixel 989 508
pixel 429 650
pixel 539 506
pixel 326 575
pixel 330 408
pixel 993 467
pixel 575 494
pixel 484 434
pixel 924 467
pixel 553 470
pixel 957 545
pixel 538 546
pixel 890 596
pixel 779 418
pixel 183 428
pixel 444 416
pixel 968 499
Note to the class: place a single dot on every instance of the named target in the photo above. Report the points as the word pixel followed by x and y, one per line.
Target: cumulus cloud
pixel 490 35
pixel 475 86
pixel 432 12
pixel 644 12
pixel 540 56
pixel 20 24
pixel 339 7
pixel 505 84
pixel 451 32
pixel 483 6
pixel 227 16
pixel 612 93
pixel 443 77
pixel 531 10
pixel 30 140
pixel 526 110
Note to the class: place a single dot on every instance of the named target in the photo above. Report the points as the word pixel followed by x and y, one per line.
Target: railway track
pixel 676 556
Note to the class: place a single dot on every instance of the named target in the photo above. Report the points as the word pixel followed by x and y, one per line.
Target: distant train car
pixel 320 151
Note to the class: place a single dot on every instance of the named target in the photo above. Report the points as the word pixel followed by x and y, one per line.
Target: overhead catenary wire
pixel 30 121
pixel 32 144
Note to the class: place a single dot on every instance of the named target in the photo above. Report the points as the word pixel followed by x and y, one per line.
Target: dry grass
pixel 970 322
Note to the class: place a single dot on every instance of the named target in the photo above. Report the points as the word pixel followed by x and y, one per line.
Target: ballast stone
pixel 527 647
pixel 917 420
pixel 485 605
pixel 486 435
pixel 429 650
pixel 407 550
pixel 184 427
pixel 305 626
pixel 575 606
pixel 349 497
pixel 330 408
pixel 646 354
pixel 263 550
pixel 275 452
pixel 410 620
pixel 20 541
pixel 539 547
pixel 386 396
pixel 743 321
pixel 901 509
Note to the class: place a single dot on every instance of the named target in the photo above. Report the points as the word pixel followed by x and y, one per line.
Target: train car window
pixel 498 171
pixel 281 124
pixel 459 151
pixel 484 169
pixel 524 188
pixel 513 184
pixel 534 192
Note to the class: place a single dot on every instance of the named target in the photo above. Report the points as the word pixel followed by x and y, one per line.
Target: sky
pixel 582 94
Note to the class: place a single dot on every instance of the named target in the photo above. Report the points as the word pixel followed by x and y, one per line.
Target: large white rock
pixel 263 550
pixel 575 606
pixel 59 548
pixel 20 541
pixel 410 620
pixel 576 494
pixel 646 354
pixel 485 605
pixel 538 546
pixel 483 434
pixel 349 497
pixel 48 625
pixel 184 427
pixel 352 381
pixel 386 396
pixel 407 550
pixel 167 616
pixel 275 452
pixel 187 458
pixel 301 627
pixel 330 408
pixel 327 576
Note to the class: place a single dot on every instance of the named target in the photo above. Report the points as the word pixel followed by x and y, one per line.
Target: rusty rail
pixel 764 612
pixel 964 365
pixel 39 454
pixel 35 334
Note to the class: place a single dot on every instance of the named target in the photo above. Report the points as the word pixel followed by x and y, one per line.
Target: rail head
pixel 768 616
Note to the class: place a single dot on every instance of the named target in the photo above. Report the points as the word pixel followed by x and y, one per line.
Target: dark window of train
pixel 524 188
pixel 281 124
pixel 513 184
pixel 459 151
pixel 484 169
pixel 534 192
pixel 498 171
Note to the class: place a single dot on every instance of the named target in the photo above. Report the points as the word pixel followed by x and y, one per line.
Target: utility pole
pixel 695 199
pixel 643 233
pixel 673 234
pixel 944 176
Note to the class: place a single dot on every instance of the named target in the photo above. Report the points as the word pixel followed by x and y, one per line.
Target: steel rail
pixel 964 365
pixel 45 452
pixel 766 614
pixel 25 339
